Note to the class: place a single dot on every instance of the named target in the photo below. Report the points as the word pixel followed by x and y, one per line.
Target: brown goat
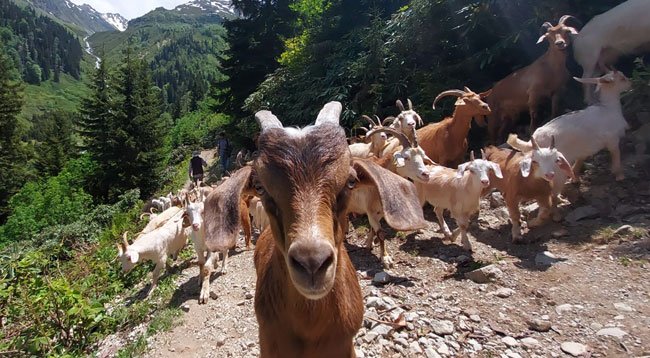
pixel 526 88
pixel 445 142
pixel 308 300
pixel 526 177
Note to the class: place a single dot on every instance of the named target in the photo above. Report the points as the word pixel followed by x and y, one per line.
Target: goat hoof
pixel 387 261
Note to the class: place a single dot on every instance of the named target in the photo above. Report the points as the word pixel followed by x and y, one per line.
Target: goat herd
pixel 303 183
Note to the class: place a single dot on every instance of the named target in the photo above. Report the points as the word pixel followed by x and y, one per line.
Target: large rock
pixel 612 332
pixel 583 212
pixel 442 327
pixel 485 274
pixel 573 348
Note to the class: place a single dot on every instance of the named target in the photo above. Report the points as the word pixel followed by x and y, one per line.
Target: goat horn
pixel 399 105
pixel 369 120
pixel 330 113
pixel 471 156
pixel 403 139
pixel 534 143
pixel 565 18
pixel 467 89
pixel 409 102
pixel 482 154
pixel 267 120
pixel 457 93
pixel 415 137
pixel 363 129
pixel 124 240
pixel 388 120
pixel 378 121
pixel 143 215
pixel 552 142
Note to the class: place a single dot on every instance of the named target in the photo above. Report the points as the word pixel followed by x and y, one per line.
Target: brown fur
pixel 445 142
pixel 526 88
pixel 515 188
pixel 245 218
pixel 304 181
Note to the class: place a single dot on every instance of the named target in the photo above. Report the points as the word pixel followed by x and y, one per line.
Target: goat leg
pixel 204 277
pixel 615 151
pixel 156 274
pixel 443 224
pixel 515 219
pixel 386 260
pixel 224 270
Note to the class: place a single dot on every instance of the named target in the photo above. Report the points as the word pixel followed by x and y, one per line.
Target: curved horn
pixel 534 143
pixel 388 120
pixel 403 139
pixel 483 154
pixel 552 142
pixel 545 26
pixel 564 18
pixel 124 240
pixel 143 215
pixel 267 120
pixel 371 121
pixel 399 105
pixel 409 103
pixel 456 92
pixel 471 156
pixel 467 89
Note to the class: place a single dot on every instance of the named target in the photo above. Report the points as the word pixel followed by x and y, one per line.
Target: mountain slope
pixel 116 20
pixel 82 16
pixel 222 8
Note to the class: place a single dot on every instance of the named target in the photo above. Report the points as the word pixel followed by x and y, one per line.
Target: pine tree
pixel 96 125
pixel 13 159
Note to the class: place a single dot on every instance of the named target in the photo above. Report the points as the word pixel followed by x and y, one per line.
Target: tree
pixel 52 132
pixel 13 160
pixel 96 125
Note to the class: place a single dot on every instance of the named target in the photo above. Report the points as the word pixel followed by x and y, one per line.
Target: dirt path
pixel 579 287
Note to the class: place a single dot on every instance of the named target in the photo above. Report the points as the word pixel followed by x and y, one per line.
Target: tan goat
pixel 526 88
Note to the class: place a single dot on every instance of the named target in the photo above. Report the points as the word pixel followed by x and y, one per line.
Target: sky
pixel 130 9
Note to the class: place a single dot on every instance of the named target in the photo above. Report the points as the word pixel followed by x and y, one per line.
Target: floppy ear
pixel 572 30
pixel 524 167
pixel 565 166
pixel 133 256
pixel 120 250
pixel 186 220
pixel 590 81
pixel 541 38
pixel 485 94
pixel 221 210
pixel 461 170
pixel 398 160
pixel 497 170
pixel 399 200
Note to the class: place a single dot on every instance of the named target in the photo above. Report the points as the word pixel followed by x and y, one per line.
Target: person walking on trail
pixel 225 149
pixel 196 168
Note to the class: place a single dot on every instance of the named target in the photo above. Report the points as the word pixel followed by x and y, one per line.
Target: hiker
pixel 224 149
pixel 196 168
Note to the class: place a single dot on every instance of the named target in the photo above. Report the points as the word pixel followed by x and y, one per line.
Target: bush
pixel 197 129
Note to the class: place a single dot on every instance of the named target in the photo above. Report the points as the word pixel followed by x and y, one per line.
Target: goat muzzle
pixel 312 267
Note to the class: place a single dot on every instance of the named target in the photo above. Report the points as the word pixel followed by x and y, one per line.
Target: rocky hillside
pixel 85 17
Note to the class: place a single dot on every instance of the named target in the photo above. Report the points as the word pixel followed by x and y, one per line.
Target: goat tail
pixel 519 144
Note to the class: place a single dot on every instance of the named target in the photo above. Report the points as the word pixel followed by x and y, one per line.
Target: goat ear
pixel 564 165
pixel 460 102
pixel 461 170
pixel 398 160
pixel 590 81
pixel 186 220
pixel 120 251
pixel 572 30
pixel 497 170
pixel 524 167
pixel 221 210
pixel 399 200
pixel 485 94
pixel 133 257
pixel 541 38
pixel 399 105
pixel 330 113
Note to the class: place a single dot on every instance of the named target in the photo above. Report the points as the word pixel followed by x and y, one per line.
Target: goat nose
pixel 550 175
pixel 195 227
pixel 312 258
pixel 485 182
pixel 424 175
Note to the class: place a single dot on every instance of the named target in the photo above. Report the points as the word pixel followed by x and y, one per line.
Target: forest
pixel 73 182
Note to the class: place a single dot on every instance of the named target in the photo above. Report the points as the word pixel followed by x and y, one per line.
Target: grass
pixel 608 234
pixel 65 95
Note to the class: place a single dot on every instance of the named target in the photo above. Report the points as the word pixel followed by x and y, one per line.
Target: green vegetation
pixel 64 95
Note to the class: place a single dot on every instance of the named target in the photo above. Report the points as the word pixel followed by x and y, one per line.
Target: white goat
pixel 194 214
pixel 260 219
pixel 581 134
pixel 622 30
pixel 457 190
pixel 375 143
pixel 406 122
pixel 160 219
pixel 156 246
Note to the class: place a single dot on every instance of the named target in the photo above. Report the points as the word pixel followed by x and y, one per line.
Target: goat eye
pixel 351 183
pixel 259 189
